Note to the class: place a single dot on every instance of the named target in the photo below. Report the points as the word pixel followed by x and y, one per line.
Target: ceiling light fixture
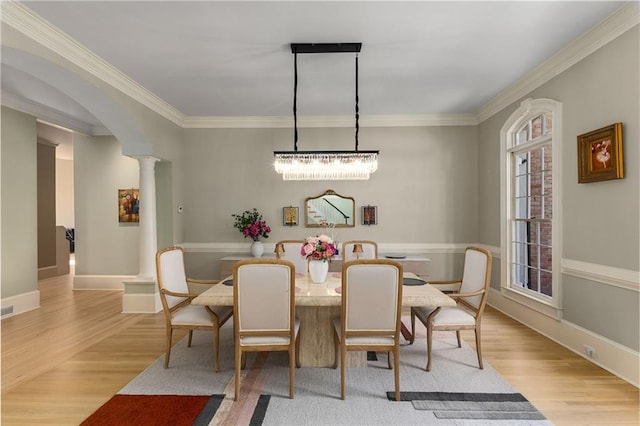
pixel 324 165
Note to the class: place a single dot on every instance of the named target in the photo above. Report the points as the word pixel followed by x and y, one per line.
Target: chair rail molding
pixel 603 274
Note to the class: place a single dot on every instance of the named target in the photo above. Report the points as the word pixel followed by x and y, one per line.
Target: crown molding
pixel 610 28
pixel 52 116
pixel 331 121
pixel 33 26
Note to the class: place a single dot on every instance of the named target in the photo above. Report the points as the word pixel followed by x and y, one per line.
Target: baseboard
pixel 141 304
pixel 21 303
pixel 47 272
pixel 100 282
pixel 613 357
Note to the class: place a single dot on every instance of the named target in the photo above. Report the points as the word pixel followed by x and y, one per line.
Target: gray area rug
pixel 317 390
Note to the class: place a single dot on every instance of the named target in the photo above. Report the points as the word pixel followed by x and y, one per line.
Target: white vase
pixel 318 271
pixel 257 249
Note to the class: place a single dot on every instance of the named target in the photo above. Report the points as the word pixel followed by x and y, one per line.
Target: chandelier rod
pixel 295 101
pixel 357 109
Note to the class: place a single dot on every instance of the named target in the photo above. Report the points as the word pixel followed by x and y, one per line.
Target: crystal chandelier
pixel 324 165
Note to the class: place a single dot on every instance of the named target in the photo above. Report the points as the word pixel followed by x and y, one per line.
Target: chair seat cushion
pixel 363 340
pixel 191 315
pixel 446 316
pixel 269 340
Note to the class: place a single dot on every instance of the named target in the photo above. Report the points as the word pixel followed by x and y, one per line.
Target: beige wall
pixel 46 205
pixel 19 195
pixel 600 221
pixel 425 187
pixel 64 193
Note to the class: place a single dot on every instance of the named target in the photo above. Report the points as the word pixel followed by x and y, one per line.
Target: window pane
pixel 545 283
pixel 545 258
pixel 534 282
pixel 548 123
pixel 535 207
pixel 522 208
pixel 523 135
pixel 536 127
pixel 545 233
pixel 534 229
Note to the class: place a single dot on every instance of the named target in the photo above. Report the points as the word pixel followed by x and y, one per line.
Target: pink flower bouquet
pixel 319 247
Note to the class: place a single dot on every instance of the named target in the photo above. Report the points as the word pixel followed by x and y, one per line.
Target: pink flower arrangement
pixel 319 247
pixel 251 224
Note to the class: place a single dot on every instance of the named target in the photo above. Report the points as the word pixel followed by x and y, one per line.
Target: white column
pixel 147 237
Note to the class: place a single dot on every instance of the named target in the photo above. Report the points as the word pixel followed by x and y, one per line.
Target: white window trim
pixel 528 109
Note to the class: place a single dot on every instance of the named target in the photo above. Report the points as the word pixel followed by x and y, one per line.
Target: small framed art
pixel 128 205
pixel 369 215
pixel 290 216
pixel 600 154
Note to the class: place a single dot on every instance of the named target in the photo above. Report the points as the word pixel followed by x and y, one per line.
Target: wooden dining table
pixel 318 304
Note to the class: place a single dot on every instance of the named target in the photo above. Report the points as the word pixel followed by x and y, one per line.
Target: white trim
pixel 140 304
pixel 623 278
pixel 100 282
pixel 53 116
pixel 382 247
pixel 33 26
pixel 613 357
pixel 21 302
pixel 610 28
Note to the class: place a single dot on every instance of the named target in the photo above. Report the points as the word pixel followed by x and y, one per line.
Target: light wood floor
pixel 64 360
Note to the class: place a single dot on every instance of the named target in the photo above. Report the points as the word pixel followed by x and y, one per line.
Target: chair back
pixel 476 276
pixel 264 296
pixel 371 297
pixel 369 250
pixel 292 254
pixel 171 275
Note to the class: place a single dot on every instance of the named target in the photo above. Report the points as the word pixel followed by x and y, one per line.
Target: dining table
pixel 318 304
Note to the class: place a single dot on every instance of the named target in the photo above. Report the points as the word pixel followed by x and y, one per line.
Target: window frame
pixel 528 110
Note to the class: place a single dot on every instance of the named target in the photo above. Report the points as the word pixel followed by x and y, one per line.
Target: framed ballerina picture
pixel 600 154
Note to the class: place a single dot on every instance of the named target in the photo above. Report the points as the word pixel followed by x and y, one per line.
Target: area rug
pixel 455 392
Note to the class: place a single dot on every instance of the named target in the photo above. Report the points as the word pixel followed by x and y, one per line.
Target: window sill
pixel 533 303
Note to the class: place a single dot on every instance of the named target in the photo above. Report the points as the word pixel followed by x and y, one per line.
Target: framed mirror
pixel 329 208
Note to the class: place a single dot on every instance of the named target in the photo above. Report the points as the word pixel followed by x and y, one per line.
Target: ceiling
pixel 233 59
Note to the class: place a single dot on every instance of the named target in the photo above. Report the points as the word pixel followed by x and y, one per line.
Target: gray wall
pixel 425 187
pixel 103 245
pixel 19 195
pixel 46 173
pixel 600 223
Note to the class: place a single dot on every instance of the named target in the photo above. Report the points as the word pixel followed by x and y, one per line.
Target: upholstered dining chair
pixel 292 253
pixel 471 297
pixel 370 319
pixel 369 250
pixel 176 297
pixel 264 312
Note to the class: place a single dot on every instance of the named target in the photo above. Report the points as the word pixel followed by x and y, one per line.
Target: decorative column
pixel 148 232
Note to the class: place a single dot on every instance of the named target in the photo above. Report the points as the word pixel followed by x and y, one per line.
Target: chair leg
pixel 190 337
pixel 292 370
pixel 429 337
pixel 396 362
pixel 168 348
pixel 389 360
pixel 458 337
pixel 243 362
pixel 336 344
pixel 238 356
pixel 478 347
pixel 216 346
pixel 413 327
pixel 298 351
pixel 343 358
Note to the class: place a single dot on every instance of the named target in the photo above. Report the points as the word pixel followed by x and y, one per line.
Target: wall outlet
pixel 589 351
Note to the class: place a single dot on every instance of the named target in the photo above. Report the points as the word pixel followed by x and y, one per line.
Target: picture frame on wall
pixel 600 155
pixel 290 216
pixel 129 205
pixel 369 215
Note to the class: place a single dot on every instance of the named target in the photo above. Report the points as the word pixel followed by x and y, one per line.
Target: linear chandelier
pixel 324 165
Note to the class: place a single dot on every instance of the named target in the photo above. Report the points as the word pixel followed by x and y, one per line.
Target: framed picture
pixel 128 205
pixel 369 215
pixel 600 154
pixel 290 216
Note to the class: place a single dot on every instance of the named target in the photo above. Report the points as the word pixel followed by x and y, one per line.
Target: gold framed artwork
pixel 290 216
pixel 129 205
pixel 369 215
pixel 600 154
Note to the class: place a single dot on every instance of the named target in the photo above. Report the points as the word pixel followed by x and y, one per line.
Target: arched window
pixel 530 208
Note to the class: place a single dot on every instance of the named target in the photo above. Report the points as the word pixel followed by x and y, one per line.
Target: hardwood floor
pixel 64 360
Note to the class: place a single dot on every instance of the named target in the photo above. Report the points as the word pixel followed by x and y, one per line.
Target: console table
pixel 415 264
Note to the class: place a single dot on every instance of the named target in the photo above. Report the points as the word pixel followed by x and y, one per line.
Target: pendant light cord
pixel 357 109
pixel 295 101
